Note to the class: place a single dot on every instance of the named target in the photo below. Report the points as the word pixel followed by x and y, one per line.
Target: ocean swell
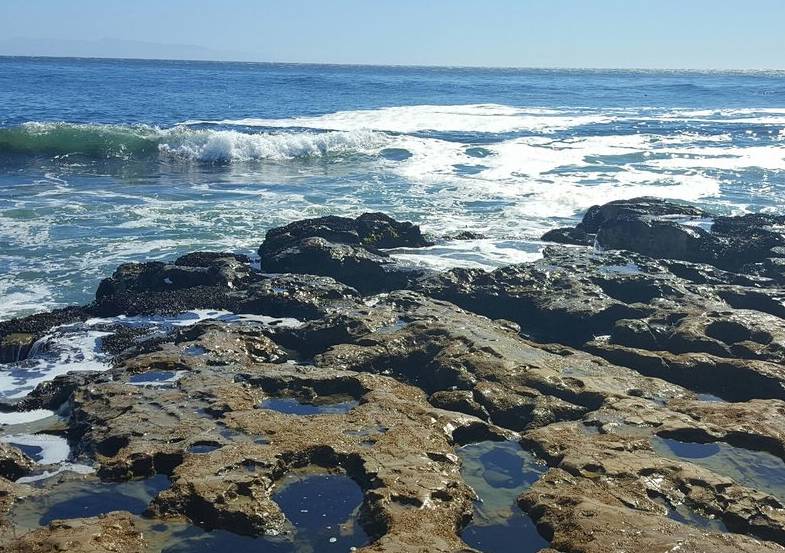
pixel 183 143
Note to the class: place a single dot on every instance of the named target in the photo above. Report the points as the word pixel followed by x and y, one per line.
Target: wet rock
pixel 367 271
pixel 443 348
pixel 207 259
pixel 466 235
pixel 461 401
pixel 732 379
pixel 393 444
pixel 597 357
pixel 599 215
pixel 155 276
pixel 591 516
pixel 348 250
pixel 667 230
pixel 16 346
pixel 17 336
pixel 298 296
pixel 756 425
pixel 112 533
pixel 568 296
pixel 621 470
pixel 569 235
pixel 13 463
pixel 372 231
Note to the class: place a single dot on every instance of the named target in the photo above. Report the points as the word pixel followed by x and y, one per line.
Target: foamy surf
pixel 146 192
pixel 77 348
pixel 182 142
pixel 477 118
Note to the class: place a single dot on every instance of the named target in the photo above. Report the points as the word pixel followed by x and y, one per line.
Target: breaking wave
pixel 185 143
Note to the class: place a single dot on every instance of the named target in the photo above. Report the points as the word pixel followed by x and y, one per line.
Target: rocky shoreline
pixel 640 360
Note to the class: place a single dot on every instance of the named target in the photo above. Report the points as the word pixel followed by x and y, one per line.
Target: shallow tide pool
pixel 499 472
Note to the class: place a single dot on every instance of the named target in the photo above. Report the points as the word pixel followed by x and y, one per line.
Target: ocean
pixel 108 161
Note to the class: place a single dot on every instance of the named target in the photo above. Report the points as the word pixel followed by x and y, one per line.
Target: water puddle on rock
pixel 322 405
pixel 323 508
pixel 203 448
pixel 710 398
pixel 755 469
pixel 178 537
pixel 155 378
pixel 498 472
pixel 622 269
pixel 683 514
pixel 81 498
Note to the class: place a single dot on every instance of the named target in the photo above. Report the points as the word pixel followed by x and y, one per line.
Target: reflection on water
pixel 755 469
pixel 323 405
pixel 322 509
pixel 87 498
pixel 683 514
pixel 499 472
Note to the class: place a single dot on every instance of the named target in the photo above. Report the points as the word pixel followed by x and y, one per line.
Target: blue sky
pixel 717 34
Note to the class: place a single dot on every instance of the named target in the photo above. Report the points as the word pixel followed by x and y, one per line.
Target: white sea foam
pixel 506 172
pixel 64 467
pixel 54 449
pixel 24 417
pixel 229 145
pixel 189 318
pixel 486 118
pixel 76 347
pixel 762 157
pixel 480 254
pixel 64 349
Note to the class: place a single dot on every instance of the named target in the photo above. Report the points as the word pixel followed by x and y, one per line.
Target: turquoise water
pixel 106 161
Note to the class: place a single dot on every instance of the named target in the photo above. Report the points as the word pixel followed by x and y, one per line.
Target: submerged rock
pixel 112 533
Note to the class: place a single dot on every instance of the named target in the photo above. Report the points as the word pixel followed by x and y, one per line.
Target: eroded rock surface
pixel 112 533
pixel 645 367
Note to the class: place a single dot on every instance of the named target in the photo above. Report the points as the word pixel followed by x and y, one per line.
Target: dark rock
pixel 570 235
pixel 365 270
pixel 13 463
pixel 156 276
pixel 466 235
pixel 348 250
pixel 369 230
pixel 206 259
pixel 598 216
pixel 658 229
pixel 18 335
pixel 553 299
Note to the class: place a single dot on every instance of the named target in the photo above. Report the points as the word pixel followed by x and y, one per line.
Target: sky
pixel 686 34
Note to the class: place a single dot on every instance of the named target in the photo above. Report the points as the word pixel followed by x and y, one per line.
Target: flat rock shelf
pixel 625 392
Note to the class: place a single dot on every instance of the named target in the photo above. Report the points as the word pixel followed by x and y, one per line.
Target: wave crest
pixel 183 143
pixel 227 145
pixel 97 141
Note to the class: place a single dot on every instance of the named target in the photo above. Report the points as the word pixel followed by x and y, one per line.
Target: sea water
pixel 108 161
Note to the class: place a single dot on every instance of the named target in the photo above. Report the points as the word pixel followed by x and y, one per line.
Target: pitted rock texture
pixel 112 533
pixel 589 358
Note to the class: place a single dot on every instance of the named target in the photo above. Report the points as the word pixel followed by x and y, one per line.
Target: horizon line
pixel 412 66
